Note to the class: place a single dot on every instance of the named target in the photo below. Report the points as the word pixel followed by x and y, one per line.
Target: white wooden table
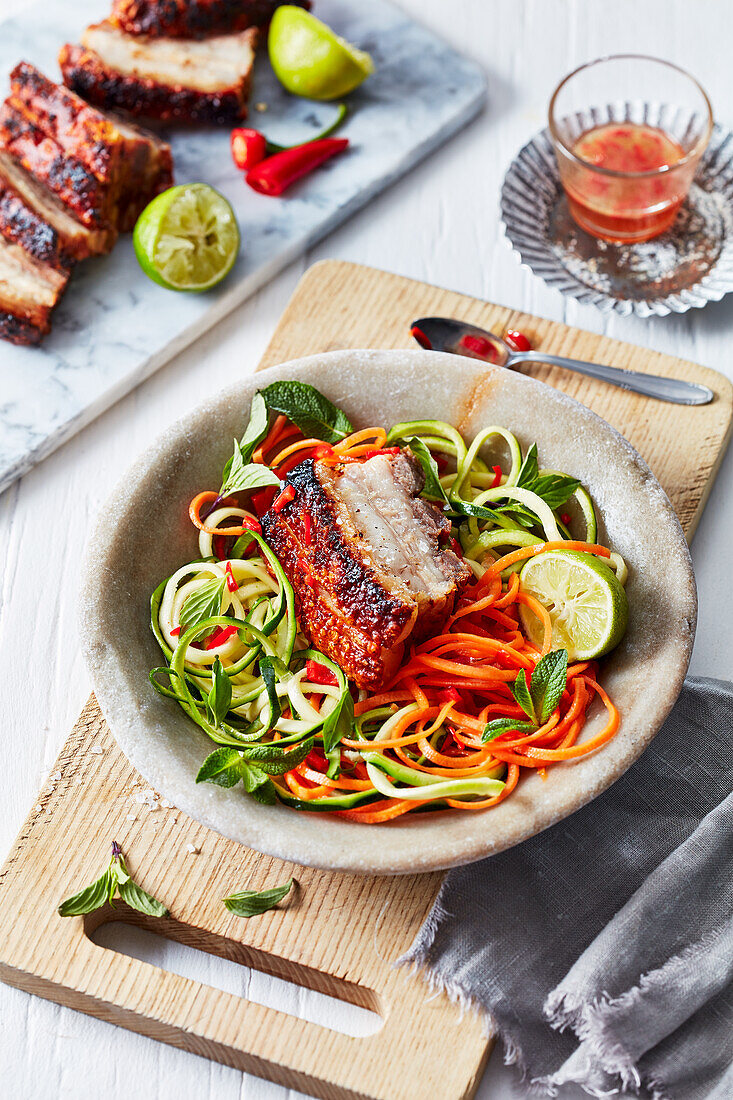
pixel 439 224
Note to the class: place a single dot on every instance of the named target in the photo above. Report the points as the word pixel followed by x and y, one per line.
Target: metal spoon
pixel 445 334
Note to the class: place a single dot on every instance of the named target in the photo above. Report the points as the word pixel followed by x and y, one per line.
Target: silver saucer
pixel 685 268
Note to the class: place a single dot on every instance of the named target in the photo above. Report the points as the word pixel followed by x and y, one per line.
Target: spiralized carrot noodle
pixel 446 691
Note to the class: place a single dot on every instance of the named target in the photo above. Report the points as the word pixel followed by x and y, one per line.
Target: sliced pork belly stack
pixel 32 216
pixel 162 78
pixel 29 291
pixel 193 18
pixel 129 165
pixel 365 557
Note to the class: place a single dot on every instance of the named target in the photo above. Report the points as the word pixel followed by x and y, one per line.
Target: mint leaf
pixel 242 476
pixel 222 766
pixel 87 900
pixel 139 899
pixel 497 726
pixel 273 760
pixel 520 691
pixel 254 780
pixel 254 433
pixel 308 409
pixel 203 604
pixel 249 903
pixel 529 469
pixel 433 488
pixel 548 683
pixel 339 723
pixel 555 489
pixel 115 879
pixel 219 698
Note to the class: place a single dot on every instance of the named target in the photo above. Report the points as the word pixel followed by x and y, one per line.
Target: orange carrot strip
pixel 194 511
pixel 542 614
pixel 530 551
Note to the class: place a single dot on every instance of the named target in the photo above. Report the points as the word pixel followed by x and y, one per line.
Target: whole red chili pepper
pixel 249 147
pixel 274 175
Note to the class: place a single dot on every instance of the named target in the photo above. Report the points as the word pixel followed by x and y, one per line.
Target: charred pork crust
pixel 70 181
pixel 85 72
pixel 105 170
pixel 348 605
pixel 166 79
pixel 193 18
pixel 22 226
pixel 17 330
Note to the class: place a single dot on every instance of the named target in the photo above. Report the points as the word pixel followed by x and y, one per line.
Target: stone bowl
pixel 144 534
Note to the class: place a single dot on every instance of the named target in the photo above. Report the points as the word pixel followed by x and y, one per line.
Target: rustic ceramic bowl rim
pixel 146 726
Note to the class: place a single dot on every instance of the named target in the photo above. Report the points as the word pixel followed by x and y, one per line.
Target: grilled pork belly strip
pixel 29 291
pixel 193 18
pixel 162 78
pixel 32 216
pixel 130 165
pixel 73 184
pixel 363 554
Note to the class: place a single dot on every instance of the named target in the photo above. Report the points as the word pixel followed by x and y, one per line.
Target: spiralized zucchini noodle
pixel 284 718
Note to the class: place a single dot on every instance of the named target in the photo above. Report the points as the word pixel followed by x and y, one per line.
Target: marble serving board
pixel 115 327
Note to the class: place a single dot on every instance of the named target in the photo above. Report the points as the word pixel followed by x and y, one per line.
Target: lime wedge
pixel 587 605
pixel 187 238
pixel 310 60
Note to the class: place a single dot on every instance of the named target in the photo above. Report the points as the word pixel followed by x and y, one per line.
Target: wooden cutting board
pixel 338 934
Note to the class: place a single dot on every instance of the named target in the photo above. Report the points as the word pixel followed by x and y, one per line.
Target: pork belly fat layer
pixel 32 216
pixel 367 566
pixel 163 78
pixel 193 18
pixel 29 290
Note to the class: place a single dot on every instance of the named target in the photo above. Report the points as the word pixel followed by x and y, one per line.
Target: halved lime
pixel 587 605
pixel 310 59
pixel 187 238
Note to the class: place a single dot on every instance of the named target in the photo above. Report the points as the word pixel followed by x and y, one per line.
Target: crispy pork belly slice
pixel 134 164
pixel 163 78
pixel 32 216
pixel 193 18
pixel 29 291
pixel 363 553
pixel 90 200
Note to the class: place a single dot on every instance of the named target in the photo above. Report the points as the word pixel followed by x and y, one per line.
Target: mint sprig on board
pixel 116 879
pixel 537 697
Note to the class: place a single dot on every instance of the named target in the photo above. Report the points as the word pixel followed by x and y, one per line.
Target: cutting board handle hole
pixel 236 969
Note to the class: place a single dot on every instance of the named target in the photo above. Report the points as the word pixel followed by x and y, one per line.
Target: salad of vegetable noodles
pixel 505 684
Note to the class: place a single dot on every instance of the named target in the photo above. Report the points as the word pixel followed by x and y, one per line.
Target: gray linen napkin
pixel 602 949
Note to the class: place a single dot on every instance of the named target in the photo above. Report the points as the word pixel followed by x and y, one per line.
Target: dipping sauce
pixel 625 207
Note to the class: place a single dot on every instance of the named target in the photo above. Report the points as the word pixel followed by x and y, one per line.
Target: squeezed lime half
pixel 586 603
pixel 310 59
pixel 187 238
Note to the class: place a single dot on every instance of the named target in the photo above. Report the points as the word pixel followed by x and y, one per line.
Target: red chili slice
pixel 221 634
pixel 285 497
pixel 318 673
pixel 175 631
pixel 497 477
pixel 232 583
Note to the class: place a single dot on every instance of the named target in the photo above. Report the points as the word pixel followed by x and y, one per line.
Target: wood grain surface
pixel 338 934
